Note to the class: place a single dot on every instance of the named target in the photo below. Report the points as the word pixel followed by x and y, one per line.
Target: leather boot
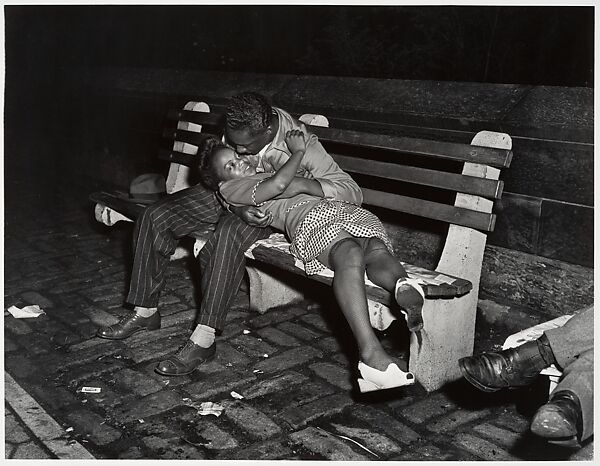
pixel 129 325
pixel 560 420
pixel 186 360
pixel 514 367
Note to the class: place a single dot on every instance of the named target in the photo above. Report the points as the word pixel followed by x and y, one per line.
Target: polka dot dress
pixel 324 222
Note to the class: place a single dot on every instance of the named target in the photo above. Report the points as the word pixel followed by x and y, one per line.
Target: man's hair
pixel 248 110
pixel 206 167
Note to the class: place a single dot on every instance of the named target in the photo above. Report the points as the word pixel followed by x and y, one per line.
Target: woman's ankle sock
pixel 145 311
pixel 203 336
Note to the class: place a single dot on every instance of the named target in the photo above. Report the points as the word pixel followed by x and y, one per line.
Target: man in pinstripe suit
pixel 256 131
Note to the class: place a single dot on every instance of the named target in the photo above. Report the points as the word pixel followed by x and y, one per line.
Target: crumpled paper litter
pixel 27 312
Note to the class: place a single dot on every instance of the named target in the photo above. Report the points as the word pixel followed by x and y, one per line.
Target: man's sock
pixel 145 311
pixel 203 335
pixel 545 350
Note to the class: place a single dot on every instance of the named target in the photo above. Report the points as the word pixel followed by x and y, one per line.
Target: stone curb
pixel 41 424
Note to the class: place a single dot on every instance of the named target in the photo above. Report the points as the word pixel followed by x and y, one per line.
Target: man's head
pixel 248 125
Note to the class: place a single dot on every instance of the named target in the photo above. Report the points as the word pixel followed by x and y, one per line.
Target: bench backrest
pixel 415 176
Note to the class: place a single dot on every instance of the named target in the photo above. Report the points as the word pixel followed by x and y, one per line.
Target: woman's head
pixel 219 162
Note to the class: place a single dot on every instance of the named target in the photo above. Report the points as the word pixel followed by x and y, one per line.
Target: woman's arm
pixel 301 185
pixel 277 184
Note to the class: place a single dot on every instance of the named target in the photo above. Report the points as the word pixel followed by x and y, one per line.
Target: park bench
pixel 453 183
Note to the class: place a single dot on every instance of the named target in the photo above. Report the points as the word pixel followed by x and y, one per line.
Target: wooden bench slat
pixel 286 262
pixel 434 210
pixel 176 157
pixel 491 189
pixel 499 158
pixel 199 118
pixel 119 202
pixel 182 135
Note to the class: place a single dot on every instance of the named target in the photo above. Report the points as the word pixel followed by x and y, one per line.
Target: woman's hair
pixel 206 168
pixel 248 110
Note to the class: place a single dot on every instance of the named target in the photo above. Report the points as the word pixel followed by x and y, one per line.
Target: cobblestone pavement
pixel 294 372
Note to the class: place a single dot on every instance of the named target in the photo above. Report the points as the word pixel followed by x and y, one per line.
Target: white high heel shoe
pixel 373 379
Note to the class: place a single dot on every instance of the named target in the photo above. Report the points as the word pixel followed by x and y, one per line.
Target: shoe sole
pixel 130 335
pixel 412 310
pixel 473 381
pixel 171 374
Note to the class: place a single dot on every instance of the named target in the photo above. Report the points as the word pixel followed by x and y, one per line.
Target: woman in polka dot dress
pixel 324 233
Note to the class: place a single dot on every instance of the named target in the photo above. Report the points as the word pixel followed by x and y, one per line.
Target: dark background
pixel 88 88
pixel 517 45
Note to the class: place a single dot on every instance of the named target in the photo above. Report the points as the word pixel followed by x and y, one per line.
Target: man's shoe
pixel 560 420
pixel 186 360
pixel 129 325
pixel 490 372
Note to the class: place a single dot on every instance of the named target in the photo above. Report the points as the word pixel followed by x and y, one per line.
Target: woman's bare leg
pixel 345 256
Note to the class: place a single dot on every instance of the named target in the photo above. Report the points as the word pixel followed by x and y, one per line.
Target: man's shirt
pixel 316 164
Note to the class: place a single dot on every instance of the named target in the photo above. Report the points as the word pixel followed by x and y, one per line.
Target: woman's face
pixel 229 165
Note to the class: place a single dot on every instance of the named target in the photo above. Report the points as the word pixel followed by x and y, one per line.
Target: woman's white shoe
pixel 373 379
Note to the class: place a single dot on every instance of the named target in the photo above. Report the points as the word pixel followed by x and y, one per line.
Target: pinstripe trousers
pixel 222 260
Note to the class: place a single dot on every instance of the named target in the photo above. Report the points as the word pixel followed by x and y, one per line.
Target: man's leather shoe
pixel 559 420
pixel 129 325
pixel 490 372
pixel 186 360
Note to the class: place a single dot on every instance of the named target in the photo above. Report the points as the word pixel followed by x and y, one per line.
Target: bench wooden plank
pixel 199 118
pixel 482 221
pixel 477 186
pixel 500 158
pixel 181 135
pixel 118 201
pixel 434 289
pixel 484 187
pixel 176 157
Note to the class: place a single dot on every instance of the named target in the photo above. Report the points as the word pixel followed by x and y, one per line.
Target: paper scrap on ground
pixel 208 407
pixel 236 395
pixel 90 390
pixel 27 312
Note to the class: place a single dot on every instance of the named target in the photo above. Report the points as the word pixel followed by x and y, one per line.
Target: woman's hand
pixel 294 139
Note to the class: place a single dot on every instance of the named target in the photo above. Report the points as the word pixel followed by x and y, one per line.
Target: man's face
pixel 244 142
